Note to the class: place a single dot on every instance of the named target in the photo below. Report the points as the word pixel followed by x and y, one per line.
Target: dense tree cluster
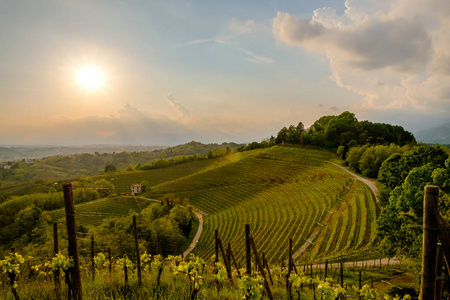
pixel 402 179
pixel 346 131
pixel 342 132
pixel 362 144
pixel 367 159
pixel 21 215
pixel 168 223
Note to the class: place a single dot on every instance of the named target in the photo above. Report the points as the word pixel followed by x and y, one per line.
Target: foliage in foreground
pixel 170 278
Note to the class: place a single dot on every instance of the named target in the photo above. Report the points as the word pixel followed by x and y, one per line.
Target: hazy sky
pixel 216 71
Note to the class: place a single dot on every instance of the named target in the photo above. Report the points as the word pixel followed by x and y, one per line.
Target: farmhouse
pixel 136 189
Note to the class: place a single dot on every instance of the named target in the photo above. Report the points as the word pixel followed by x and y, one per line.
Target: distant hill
pixel 92 162
pixel 14 153
pixel 440 135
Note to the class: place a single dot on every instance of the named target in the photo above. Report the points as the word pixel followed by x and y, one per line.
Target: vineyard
pixel 282 192
pixel 302 209
pixel 154 277
pixel 94 212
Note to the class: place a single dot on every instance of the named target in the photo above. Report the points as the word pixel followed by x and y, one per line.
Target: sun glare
pixel 90 78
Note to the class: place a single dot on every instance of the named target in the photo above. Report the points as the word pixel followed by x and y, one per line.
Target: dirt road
pixel 197 235
pixel 370 183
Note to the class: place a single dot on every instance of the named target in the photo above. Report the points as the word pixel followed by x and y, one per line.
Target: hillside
pixel 88 164
pixel 435 135
pixel 282 192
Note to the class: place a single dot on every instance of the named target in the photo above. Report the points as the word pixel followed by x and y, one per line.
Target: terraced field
pixel 93 213
pixel 123 181
pixel 282 192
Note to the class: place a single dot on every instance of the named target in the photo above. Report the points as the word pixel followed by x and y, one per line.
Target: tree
pixel 402 179
pixel 110 168
pixel 105 188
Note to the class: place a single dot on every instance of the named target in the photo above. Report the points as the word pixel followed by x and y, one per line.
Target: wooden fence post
pixel 326 270
pixel 288 285
pixel 92 257
pixel 226 262
pixel 216 246
pixel 73 244
pixel 439 281
pixel 258 261
pixel 266 265
pixel 235 264
pixel 56 251
pixel 430 235
pixel 248 255
pixel 229 255
pixel 110 261
pixel 138 255
pixel 341 273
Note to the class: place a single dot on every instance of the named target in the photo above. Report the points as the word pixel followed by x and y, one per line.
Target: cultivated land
pixel 282 192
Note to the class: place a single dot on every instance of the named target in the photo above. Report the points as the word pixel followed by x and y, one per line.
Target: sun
pixel 90 78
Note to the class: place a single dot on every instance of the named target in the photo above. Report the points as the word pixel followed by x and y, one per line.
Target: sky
pixel 217 71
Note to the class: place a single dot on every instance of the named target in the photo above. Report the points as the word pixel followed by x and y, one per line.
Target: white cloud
pixel 396 54
pixel 177 107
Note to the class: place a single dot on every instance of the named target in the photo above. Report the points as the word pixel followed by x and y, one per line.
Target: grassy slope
pixel 282 192
pixel 92 213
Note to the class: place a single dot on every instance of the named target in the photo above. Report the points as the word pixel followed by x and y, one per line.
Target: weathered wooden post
pixel 341 273
pixel 288 285
pixel 248 255
pixel 216 246
pixel 258 261
pixel 326 270
pixel 429 244
pixel 229 255
pixel 110 261
pixel 56 273
pixel 92 257
pixel 266 265
pixel 225 260
pixel 235 264
pixel 138 255
pixel 72 238
pixel 439 281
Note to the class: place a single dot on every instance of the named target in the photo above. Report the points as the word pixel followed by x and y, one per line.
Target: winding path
pixel 197 235
pixel 369 182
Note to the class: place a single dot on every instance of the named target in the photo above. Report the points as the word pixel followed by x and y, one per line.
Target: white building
pixel 136 189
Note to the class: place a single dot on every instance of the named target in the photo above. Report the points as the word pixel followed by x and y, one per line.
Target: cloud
pixel 256 58
pixel 393 53
pixel 180 109
pixel 239 27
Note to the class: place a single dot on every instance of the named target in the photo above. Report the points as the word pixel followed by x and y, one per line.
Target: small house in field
pixel 136 189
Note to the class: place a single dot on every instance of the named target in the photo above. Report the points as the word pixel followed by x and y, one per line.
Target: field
pixel 282 192
pixel 93 213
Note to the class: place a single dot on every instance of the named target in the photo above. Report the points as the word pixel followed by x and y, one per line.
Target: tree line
pixel 23 218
